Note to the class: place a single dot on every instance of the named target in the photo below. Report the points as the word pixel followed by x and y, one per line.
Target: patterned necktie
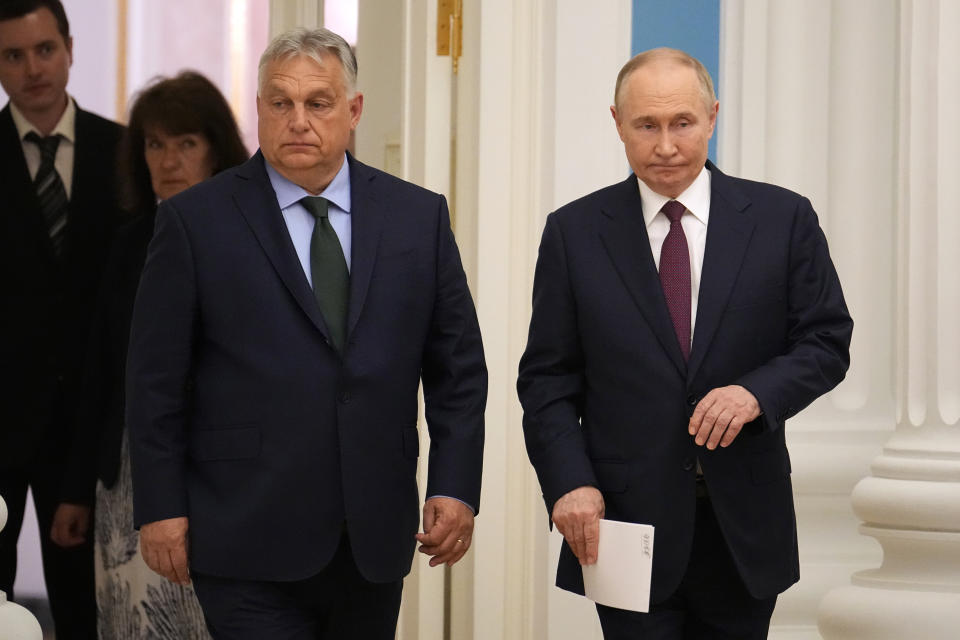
pixel 50 190
pixel 675 275
pixel 328 270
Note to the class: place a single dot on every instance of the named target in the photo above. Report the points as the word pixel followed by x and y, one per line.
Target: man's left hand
pixel 721 414
pixel 447 530
pixel 71 522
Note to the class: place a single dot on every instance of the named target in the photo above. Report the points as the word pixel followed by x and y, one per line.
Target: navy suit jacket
pixel 244 418
pixel 607 395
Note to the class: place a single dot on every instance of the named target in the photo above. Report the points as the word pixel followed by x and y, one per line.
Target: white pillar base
pixel 872 613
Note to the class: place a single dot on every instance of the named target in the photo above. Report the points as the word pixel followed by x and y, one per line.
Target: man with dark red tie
pixel 679 318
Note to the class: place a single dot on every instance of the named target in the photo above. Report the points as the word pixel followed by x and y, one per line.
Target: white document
pixel 621 576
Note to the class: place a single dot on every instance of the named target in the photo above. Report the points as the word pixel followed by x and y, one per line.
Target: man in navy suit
pixel 58 208
pixel 679 319
pixel 288 310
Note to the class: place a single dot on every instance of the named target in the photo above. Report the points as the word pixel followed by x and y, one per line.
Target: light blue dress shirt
pixel 300 222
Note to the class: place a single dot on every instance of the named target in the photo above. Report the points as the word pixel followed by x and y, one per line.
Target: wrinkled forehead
pixel 299 70
pixel 663 82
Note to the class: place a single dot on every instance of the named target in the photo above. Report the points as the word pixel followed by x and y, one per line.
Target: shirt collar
pixel 696 198
pixel 66 126
pixel 288 193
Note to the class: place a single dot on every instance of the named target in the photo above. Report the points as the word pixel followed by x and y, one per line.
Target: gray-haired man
pixel 287 312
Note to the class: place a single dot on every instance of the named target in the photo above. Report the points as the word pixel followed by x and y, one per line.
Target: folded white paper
pixel 621 576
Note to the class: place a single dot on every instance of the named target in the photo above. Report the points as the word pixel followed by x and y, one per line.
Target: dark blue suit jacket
pixel 607 395
pixel 244 418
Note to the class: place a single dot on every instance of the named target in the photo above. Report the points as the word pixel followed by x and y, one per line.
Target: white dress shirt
pixel 696 199
pixel 66 127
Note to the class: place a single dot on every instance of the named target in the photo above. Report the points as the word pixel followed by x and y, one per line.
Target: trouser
pixel 711 603
pixel 68 573
pixel 336 603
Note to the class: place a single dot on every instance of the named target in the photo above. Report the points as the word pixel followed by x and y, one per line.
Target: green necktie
pixel 328 270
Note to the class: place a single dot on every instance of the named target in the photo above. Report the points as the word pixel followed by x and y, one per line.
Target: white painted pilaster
pixel 808 101
pixel 911 502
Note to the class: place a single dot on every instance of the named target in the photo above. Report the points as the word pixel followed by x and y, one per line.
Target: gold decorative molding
pixel 450 30
pixel 121 92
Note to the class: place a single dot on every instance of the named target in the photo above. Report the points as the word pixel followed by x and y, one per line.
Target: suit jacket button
pixel 344 397
pixel 687 464
pixel 692 400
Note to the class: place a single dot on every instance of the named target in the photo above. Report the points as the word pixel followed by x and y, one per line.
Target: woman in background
pixel 181 132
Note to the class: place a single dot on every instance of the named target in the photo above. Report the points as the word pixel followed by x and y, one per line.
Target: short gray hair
pixel 674 55
pixel 313 43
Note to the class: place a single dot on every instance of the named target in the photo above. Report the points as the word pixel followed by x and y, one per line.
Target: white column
pixel 533 131
pixel 503 199
pixel 911 502
pixel 289 14
pixel 808 101
pixel 586 155
pixel 422 155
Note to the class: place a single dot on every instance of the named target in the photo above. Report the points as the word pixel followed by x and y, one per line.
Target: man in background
pixel 288 311
pixel 680 317
pixel 58 210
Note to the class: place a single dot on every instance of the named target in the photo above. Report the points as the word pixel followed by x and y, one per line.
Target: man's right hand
pixel 577 516
pixel 164 547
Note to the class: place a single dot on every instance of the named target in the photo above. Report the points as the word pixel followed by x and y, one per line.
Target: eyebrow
pixel 677 116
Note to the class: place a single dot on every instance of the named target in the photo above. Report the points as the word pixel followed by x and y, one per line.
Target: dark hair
pixel 187 103
pixel 11 9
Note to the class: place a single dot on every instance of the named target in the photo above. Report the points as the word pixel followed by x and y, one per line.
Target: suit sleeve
pixel 454 377
pixel 162 335
pixel 80 469
pixel 819 328
pixel 551 379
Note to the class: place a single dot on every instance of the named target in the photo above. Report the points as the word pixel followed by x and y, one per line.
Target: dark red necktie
pixel 675 275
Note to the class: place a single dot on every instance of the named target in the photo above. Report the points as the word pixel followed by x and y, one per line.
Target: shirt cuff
pixel 469 506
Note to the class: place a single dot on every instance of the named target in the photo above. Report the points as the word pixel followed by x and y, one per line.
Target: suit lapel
pixel 91 213
pixel 366 220
pixel 257 203
pixel 11 155
pixel 728 234
pixel 20 199
pixel 624 235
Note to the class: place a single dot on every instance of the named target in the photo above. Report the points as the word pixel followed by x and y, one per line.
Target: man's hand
pixel 71 522
pixel 577 516
pixel 447 530
pixel 721 414
pixel 164 547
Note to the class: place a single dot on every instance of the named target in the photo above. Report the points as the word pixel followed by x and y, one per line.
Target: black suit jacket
pixel 48 302
pixel 607 395
pixel 245 419
pixel 95 453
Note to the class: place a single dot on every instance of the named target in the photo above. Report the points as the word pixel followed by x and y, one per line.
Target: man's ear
pixel 356 109
pixel 616 120
pixel 713 116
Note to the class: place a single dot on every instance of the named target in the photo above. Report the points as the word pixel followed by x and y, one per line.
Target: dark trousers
pixel 711 603
pixel 337 603
pixel 67 572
